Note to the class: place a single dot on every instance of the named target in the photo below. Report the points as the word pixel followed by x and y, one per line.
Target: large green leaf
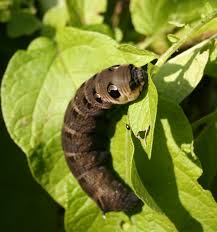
pixel 180 75
pixel 151 17
pixel 32 122
pixel 170 177
pixel 36 89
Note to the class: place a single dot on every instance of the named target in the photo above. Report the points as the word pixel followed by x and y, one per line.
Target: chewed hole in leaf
pixel 141 134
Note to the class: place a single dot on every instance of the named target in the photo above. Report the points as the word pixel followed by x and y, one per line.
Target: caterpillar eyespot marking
pixel 83 150
pixel 113 91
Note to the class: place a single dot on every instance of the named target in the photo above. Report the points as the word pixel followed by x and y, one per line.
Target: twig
pixel 182 40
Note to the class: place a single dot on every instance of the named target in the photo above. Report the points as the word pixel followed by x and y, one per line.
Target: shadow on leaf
pixel 158 175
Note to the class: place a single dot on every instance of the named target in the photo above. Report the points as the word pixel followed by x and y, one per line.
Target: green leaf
pixel 84 12
pixel 36 89
pixel 57 16
pixel 142 115
pixel 180 75
pixel 153 17
pixel 132 52
pixel 33 125
pixel 118 34
pixel 170 177
pixel 22 23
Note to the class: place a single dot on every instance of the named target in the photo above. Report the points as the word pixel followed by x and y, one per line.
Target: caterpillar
pixel 82 142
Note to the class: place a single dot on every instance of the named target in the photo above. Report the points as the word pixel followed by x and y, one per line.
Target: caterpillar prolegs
pixel 84 151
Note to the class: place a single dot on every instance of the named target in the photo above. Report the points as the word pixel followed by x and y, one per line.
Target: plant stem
pixel 182 40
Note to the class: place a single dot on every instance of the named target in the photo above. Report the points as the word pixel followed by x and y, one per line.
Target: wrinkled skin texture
pixel 82 143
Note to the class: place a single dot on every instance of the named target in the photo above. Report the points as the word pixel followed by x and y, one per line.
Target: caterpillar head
pixel 120 84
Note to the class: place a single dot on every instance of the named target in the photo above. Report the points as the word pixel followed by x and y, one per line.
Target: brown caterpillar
pixel 81 141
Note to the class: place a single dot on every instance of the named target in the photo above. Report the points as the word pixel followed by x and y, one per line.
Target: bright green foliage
pixel 151 17
pixel 181 74
pixel 102 28
pixel 56 17
pixel 37 86
pixel 35 114
pixel 173 172
pixel 84 12
pixel 138 54
pixel 159 157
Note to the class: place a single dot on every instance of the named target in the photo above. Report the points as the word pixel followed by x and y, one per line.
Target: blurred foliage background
pixel 25 206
